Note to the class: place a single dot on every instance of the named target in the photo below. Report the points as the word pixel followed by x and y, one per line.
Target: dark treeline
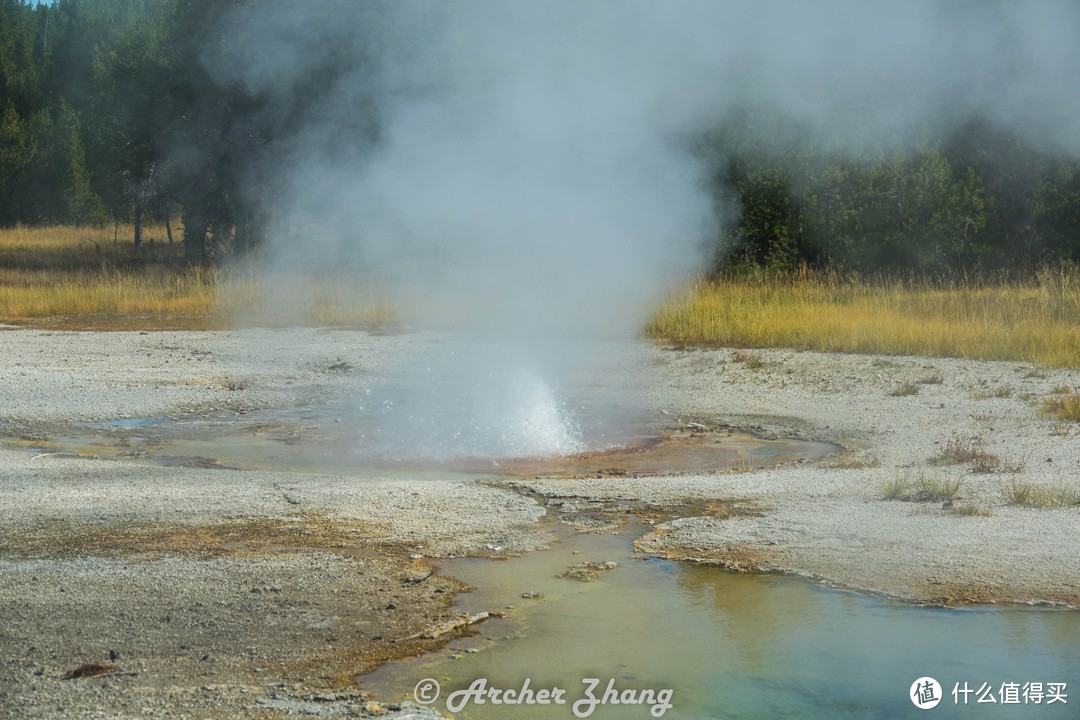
pixel 975 199
pixel 108 114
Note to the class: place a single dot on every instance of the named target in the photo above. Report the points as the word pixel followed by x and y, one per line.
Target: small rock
pixel 588 571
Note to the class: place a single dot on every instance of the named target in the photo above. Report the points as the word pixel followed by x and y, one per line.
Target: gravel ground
pixel 833 523
pixel 215 592
pixel 251 593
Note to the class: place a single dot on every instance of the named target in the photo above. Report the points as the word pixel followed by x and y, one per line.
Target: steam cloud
pixel 528 166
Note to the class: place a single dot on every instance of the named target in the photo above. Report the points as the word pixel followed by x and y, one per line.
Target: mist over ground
pixel 526 171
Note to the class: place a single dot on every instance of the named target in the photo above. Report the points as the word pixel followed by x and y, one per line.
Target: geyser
pixel 524 170
pixel 469 400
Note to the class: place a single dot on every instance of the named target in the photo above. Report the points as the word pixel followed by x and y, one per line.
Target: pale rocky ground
pixel 833 524
pixel 244 593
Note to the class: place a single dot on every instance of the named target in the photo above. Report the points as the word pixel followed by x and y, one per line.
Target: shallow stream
pixel 730 645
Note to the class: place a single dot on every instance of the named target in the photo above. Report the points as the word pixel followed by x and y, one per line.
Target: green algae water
pixel 734 646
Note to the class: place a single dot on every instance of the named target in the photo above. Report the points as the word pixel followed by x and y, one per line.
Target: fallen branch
pixel 54 454
pixel 449 626
pixel 417 581
pixel 87 670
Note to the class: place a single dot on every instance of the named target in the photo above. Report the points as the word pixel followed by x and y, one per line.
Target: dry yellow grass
pixel 1041 496
pixel 1063 407
pixel 76 277
pixel 1032 320
pixel 252 297
pixel 80 278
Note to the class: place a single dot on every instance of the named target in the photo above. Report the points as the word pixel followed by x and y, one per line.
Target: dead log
pixel 437 631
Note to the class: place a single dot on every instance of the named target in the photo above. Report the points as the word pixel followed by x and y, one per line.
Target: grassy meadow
pixel 79 277
pixel 94 278
pixel 1034 319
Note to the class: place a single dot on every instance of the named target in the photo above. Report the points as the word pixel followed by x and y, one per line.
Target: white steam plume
pixel 530 174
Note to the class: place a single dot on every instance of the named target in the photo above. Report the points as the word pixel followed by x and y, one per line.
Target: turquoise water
pixel 733 646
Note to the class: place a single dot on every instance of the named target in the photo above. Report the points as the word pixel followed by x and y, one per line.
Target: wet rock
pixel 341 366
pixel 588 571
pixel 588 523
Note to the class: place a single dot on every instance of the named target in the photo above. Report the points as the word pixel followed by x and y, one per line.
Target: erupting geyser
pixel 454 409
pixel 528 169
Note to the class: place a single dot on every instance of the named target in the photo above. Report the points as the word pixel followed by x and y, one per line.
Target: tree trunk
pixel 168 226
pixel 244 237
pixel 195 228
pixel 138 220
